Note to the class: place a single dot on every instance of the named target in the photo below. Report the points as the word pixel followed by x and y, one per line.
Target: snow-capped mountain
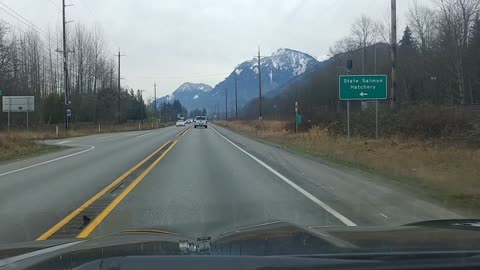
pixel 276 70
pixel 188 94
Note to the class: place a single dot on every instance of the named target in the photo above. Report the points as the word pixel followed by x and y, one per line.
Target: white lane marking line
pixel 146 134
pixel 109 136
pixel 90 148
pixel 323 205
pixel 383 215
pixel 63 142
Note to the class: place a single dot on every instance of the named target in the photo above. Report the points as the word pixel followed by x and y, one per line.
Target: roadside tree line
pixel 31 66
pixel 438 60
pixel 438 67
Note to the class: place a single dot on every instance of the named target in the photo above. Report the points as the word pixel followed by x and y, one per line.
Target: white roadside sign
pixel 18 103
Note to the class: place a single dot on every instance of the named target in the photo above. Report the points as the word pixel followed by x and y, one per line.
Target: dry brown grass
pixel 19 143
pixel 18 146
pixel 447 169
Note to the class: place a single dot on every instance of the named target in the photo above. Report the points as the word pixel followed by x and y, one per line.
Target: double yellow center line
pixel 181 133
pixel 105 212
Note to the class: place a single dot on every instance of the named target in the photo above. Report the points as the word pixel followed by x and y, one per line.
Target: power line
pixel 25 21
pixel 42 46
pixel 55 5
pixel 59 11
pixel 87 8
pixel 43 36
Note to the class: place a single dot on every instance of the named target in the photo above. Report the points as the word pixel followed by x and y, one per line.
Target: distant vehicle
pixel 188 121
pixel 200 121
pixel 180 123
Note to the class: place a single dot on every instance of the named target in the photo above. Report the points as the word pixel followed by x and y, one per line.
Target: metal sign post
pixel 296 116
pixel 28 106
pixel 18 104
pixel 376 119
pixel 9 109
pixel 362 87
pixel 348 120
pixel 349 67
pixel 67 119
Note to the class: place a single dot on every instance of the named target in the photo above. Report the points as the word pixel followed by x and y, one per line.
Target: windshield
pixel 203 117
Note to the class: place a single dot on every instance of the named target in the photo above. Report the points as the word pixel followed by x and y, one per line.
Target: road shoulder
pixel 348 183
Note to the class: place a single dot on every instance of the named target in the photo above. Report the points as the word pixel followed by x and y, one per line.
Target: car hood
pixel 272 239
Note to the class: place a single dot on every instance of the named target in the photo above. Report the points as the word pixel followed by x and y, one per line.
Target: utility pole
pixel 236 97
pixel 363 58
pixel 260 116
pixel 65 66
pixel 155 97
pixel 140 93
pixel 111 77
pixel 394 53
pixel 226 104
pixel 118 103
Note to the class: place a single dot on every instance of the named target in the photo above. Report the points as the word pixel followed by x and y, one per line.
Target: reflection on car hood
pixel 276 238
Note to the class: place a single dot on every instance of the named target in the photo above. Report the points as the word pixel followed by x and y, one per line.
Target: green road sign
pixel 362 87
pixel 299 119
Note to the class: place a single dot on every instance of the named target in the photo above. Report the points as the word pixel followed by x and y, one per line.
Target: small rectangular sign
pixel 362 87
pixel 299 119
pixel 18 103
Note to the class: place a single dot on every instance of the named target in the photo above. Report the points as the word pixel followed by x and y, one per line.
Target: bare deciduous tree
pixel 422 21
pixel 456 19
pixel 31 65
pixel 364 33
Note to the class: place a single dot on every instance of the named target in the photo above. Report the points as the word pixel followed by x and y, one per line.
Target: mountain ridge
pixel 277 69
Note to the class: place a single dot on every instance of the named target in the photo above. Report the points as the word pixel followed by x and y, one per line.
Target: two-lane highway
pixel 193 181
pixel 36 193
pixel 215 180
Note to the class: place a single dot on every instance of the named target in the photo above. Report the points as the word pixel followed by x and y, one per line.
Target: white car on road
pixel 200 121
pixel 180 123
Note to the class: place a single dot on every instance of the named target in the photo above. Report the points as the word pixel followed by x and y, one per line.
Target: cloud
pixel 203 40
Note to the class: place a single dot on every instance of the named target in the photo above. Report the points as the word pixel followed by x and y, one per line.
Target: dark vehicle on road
pixel 443 244
pixel 200 121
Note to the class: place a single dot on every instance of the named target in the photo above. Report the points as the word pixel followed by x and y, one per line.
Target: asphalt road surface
pixel 201 183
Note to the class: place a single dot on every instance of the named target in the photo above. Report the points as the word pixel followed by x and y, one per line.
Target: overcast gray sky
pixel 203 40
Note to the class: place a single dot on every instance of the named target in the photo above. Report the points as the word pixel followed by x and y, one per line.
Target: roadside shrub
pixel 422 121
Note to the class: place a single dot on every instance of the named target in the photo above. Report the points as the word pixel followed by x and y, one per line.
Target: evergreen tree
pixel 407 66
pixel 195 112
pixel 407 39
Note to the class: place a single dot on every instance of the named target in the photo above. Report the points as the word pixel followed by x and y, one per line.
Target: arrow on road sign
pixel 362 94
